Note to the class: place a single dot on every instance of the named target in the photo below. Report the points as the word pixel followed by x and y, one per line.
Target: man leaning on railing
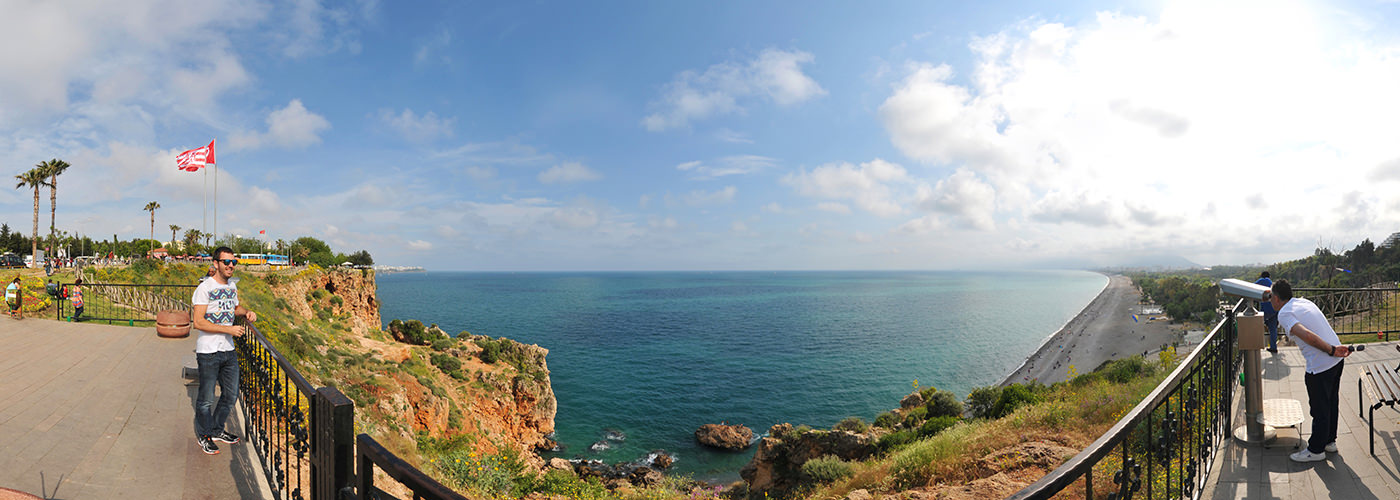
pixel 216 306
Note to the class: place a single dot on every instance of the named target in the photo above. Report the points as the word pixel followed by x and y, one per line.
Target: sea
pixel 640 360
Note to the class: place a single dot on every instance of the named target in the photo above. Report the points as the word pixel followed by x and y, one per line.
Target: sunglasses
pixel 229 262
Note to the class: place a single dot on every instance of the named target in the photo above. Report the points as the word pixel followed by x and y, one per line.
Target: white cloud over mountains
pixel 723 88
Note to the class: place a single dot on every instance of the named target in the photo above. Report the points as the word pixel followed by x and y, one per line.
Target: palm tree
pixel 53 168
pixel 192 237
pixel 173 229
pixel 34 178
pixel 151 207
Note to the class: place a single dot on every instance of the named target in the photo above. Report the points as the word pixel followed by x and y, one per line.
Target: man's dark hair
pixel 1264 274
pixel 1283 290
pixel 223 250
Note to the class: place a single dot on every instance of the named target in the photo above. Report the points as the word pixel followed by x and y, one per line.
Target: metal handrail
pixel 371 453
pixel 1129 478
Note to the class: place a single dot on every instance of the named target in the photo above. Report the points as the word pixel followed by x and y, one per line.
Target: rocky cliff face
pixel 443 388
pixel 776 467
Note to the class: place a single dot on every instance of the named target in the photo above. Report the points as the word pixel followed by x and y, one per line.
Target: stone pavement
pixel 96 411
pixel 1259 472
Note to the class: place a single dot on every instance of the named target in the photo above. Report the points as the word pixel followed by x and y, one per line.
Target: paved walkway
pixel 95 411
pixel 1255 472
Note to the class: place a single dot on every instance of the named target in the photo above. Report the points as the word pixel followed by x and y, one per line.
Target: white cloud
pixel 1170 130
pixel 729 165
pixel 479 173
pixel 730 136
pixel 574 218
pixel 693 96
pixel 867 185
pixel 568 172
pixel 420 245
pixel 316 29
pixel 418 128
pixel 964 195
pixel 433 46
pixel 290 127
pixel 834 207
pixel 700 198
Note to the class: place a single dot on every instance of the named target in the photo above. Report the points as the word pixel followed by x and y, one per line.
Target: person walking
pixel 1324 358
pixel 216 306
pixel 15 299
pixel 1270 314
pixel 75 296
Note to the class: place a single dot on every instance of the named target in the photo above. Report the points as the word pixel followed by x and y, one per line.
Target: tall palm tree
pixel 151 207
pixel 34 178
pixel 53 168
pixel 173 229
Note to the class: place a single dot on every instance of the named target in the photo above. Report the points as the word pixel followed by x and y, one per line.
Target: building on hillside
pixel 1391 241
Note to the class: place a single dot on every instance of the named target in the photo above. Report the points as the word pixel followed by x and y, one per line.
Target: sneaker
pixel 224 436
pixel 213 449
pixel 1273 350
pixel 1304 455
pixel 1331 447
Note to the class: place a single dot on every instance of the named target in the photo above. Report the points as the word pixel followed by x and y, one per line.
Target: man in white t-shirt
pixel 215 307
pixel 1322 353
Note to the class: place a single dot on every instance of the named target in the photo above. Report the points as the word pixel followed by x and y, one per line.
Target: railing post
pixel 333 443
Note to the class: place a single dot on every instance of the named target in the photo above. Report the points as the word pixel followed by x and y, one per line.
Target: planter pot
pixel 173 324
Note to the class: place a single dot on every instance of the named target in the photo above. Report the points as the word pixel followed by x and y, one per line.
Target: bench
pixel 1381 385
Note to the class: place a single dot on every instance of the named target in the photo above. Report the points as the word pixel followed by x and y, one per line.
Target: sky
pixel 519 136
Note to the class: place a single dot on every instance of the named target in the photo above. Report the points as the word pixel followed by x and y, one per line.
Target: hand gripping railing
pixel 1165 446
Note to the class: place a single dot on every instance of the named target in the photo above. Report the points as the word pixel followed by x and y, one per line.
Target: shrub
pixel 1125 370
pixel 441 344
pixel 558 483
pixel 826 469
pixel 446 362
pixel 147 266
pixel 413 332
pixel 490 350
pixel 887 420
pixel 935 425
pixel 981 400
pixel 852 424
pixel 915 417
pixel 944 403
pixel 491 476
pixel 318 294
pixel 1013 397
pixel 895 440
pixel 336 300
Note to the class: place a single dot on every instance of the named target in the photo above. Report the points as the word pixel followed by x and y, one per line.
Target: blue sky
pixel 719 135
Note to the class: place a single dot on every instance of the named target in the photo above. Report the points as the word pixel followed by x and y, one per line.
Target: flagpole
pixel 205 193
pixel 216 203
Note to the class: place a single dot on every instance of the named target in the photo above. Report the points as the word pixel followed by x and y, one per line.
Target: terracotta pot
pixel 173 323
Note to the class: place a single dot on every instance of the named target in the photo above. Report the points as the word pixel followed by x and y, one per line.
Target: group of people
pixel 14 297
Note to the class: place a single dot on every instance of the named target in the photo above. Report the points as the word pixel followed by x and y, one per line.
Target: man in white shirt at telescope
pixel 1323 354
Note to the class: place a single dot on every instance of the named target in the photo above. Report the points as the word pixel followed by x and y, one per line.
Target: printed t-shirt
pixel 221 300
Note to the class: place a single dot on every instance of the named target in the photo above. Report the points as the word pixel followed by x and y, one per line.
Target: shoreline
pixel 1103 331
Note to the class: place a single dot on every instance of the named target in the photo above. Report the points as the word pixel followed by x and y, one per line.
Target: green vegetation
pixel 852 424
pixel 826 469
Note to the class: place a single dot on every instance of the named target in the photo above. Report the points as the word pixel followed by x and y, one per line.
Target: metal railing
pixel 304 435
pixel 1165 446
pixel 1373 311
pixel 120 303
pixel 371 454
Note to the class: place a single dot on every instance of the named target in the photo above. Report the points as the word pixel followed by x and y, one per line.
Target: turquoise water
pixel 655 355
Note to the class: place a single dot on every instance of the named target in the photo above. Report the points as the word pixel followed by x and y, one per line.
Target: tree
pixel 192 238
pixel 34 178
pixel 361 258
pixel 53 168
pixel 173 229
pixel 151 207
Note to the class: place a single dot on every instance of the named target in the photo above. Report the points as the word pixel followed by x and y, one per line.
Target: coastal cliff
pixel 413 385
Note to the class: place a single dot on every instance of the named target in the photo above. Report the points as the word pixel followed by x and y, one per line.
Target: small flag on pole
pixel 1135 318
pixel 262 232
pixel 195 159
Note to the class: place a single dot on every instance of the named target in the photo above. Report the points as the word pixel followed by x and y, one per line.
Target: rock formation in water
pixel 725 437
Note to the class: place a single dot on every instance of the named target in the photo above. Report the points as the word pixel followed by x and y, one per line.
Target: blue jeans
pixel 221 369
pixel 1271 326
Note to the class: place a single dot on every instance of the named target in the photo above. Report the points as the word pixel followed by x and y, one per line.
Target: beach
pixel 1105 330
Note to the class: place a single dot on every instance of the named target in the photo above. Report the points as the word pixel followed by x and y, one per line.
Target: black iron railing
pixel 304 435
pixel 371 454
pixel 1358 314
pixel 1165 446
pixel 128 304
